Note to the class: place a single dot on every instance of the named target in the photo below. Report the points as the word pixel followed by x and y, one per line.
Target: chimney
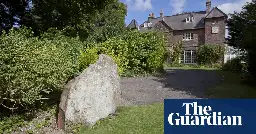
pixel 161 14
pixel 208 6
pixel 151 16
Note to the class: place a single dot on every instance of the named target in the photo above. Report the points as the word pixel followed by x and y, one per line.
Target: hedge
pixel 31 67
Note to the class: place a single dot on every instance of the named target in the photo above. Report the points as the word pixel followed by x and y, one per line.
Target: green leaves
pixel 210 54
pixel 137 53
pixel 31 67
pixel 242 27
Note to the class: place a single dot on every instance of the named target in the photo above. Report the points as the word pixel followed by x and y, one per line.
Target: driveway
pixel 175 84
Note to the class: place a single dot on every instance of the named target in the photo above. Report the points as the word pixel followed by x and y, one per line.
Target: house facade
pixel 192 28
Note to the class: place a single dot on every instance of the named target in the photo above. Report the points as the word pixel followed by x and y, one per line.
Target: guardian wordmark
pixel 198 115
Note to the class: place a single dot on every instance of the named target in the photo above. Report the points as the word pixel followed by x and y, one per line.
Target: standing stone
pixel 92 95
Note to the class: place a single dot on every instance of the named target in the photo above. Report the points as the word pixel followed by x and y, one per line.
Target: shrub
pixel 210 54
pixel 137 53
pixel 31 67
pixel 88 57
pixel 233 65
pixel 176 52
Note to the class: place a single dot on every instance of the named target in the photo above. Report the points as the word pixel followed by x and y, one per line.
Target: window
pixel 215 29
pixel 149 24
pixel 188 57
pixel 188 36
pixel 189 19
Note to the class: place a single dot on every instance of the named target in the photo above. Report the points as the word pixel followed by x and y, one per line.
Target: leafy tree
pixel 109 22
pixel 242 27
pixel 11 11
pixel 96 19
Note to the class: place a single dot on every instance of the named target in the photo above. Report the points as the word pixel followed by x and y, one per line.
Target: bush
pixel 137 53
pixel 234 65
pixel 88 57
pixel 31 67
pixel 210 54
pixel 176 52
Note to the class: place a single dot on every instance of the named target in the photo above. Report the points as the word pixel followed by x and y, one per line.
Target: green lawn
pixel 132 120
pixel 232 87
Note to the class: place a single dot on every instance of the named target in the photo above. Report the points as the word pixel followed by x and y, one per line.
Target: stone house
pixel 192 28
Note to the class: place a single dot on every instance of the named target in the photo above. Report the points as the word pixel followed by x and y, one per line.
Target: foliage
pixel 210 54
pixel 8 124
pixel 233 65
pixel 107 22
pixel 176 52
pixel 31 67
pixel 242 27
pixel 137 53
pixel 10 11
pixel 192 66
pixel 96 20
pixel 88 57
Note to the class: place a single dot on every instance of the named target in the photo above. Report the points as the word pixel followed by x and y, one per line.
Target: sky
pixel 140 9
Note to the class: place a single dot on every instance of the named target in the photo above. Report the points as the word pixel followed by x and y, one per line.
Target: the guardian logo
pixel 202 115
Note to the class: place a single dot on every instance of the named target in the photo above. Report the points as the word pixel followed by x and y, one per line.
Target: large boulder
pixel 93 95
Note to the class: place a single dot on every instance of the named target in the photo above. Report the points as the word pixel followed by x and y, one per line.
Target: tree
pixel 242 27
pixel 108 22
pixel 11 11
pixel 92 20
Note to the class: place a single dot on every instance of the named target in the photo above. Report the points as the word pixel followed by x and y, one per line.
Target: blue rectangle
pixel 210 116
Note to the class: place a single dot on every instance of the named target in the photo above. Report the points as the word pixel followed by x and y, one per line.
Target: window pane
pixel 188 56
pixel 182 58
pixel 193 57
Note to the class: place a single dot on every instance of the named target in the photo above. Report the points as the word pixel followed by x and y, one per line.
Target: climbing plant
pixel 175 52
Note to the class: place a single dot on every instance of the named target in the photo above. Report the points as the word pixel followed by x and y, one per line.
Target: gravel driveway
pixel 175 83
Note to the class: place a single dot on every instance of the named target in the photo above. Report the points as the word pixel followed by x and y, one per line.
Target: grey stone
pixel 94 94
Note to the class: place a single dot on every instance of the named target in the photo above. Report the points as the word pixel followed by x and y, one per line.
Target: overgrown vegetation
pixel 175 52
pixel 31 67
pixel 235 65
pixel 210 54
pixel 135 53
pixel 242 27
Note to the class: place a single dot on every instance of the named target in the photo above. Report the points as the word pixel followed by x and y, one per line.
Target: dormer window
pixel 189 19
pixel 145 24
pixel 149 24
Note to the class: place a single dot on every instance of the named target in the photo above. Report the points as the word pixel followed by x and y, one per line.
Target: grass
pixel 190 67
pixel 231 87
pixel 144 119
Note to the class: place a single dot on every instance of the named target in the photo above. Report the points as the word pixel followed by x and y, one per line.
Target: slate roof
pixel 216 13
pixel 133 25
pixel 177 22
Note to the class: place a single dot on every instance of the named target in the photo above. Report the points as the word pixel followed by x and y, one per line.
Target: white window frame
pixel 188 36
pixel 188 57
pixel 189 19
pixel 149 24
pixel 145 24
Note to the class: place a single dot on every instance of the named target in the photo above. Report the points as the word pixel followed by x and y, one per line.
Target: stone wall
pixel 215 38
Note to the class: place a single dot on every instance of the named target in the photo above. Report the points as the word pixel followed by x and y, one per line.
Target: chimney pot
pixel 161 13
pixel 208 6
